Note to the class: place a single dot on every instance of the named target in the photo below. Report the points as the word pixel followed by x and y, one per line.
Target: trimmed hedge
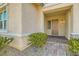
pixel 73 45
pixel 4 41
pixel 38 39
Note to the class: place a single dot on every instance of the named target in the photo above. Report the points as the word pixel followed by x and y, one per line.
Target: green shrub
pixel 4 41
pixel 38 39
pixel 73 45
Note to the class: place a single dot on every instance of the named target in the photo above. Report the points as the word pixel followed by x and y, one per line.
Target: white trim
pixel 15 34
pixel 3 31
pixel 49 5
pixel 74 33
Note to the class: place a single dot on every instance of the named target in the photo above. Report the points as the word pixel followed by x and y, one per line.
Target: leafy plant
pixel 4 41
pixel 38 39
pixel 73 45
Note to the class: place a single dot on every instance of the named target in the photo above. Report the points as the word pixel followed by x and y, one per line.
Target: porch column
pixel 75 32
pixel 42 22
pixel 41 18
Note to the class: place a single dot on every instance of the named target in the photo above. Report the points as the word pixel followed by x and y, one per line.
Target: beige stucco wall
pixel 76 18
pixel 24 19
pixel 14 21
pixel 32 18
pixel 72 18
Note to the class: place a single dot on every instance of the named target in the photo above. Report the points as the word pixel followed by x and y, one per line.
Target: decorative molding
pixel 14 34
pixel 49 5
pixel 75 35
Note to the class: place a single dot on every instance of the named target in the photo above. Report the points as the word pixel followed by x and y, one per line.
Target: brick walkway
pixel 56 46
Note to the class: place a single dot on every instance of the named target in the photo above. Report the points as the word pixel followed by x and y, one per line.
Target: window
pixel 49 24
pixel 3 19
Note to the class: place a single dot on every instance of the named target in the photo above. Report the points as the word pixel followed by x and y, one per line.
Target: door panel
pixel 55 27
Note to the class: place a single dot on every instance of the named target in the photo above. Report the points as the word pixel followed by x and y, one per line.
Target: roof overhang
pixel 37 4
pixel 56 8
pixel 2 5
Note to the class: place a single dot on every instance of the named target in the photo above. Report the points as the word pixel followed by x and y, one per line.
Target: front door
pixel 55 27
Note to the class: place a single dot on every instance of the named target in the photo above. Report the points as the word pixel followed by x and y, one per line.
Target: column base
pixel 75 35
pixel 20 43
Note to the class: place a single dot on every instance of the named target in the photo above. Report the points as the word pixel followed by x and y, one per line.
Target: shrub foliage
pixel 38 39
pixel 73 44
pixel 4 41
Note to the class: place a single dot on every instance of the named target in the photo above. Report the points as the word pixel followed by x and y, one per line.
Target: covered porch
pixel 58 21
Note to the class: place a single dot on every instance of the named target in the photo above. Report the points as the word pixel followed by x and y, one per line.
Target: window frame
pixel 4 19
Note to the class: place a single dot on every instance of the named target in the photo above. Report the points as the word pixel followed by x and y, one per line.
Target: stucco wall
pixel 24 19
pixel 31 18
pixel 14 21
pixel 76 18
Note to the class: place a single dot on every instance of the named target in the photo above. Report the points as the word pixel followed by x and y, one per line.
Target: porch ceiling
pixel 63 12
pixel 60 7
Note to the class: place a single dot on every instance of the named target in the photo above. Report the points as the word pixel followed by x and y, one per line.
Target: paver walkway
pixel 57 39
pixel 56 46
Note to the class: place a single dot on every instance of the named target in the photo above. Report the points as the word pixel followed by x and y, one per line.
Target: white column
pixel 42 22
pixel 41 18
